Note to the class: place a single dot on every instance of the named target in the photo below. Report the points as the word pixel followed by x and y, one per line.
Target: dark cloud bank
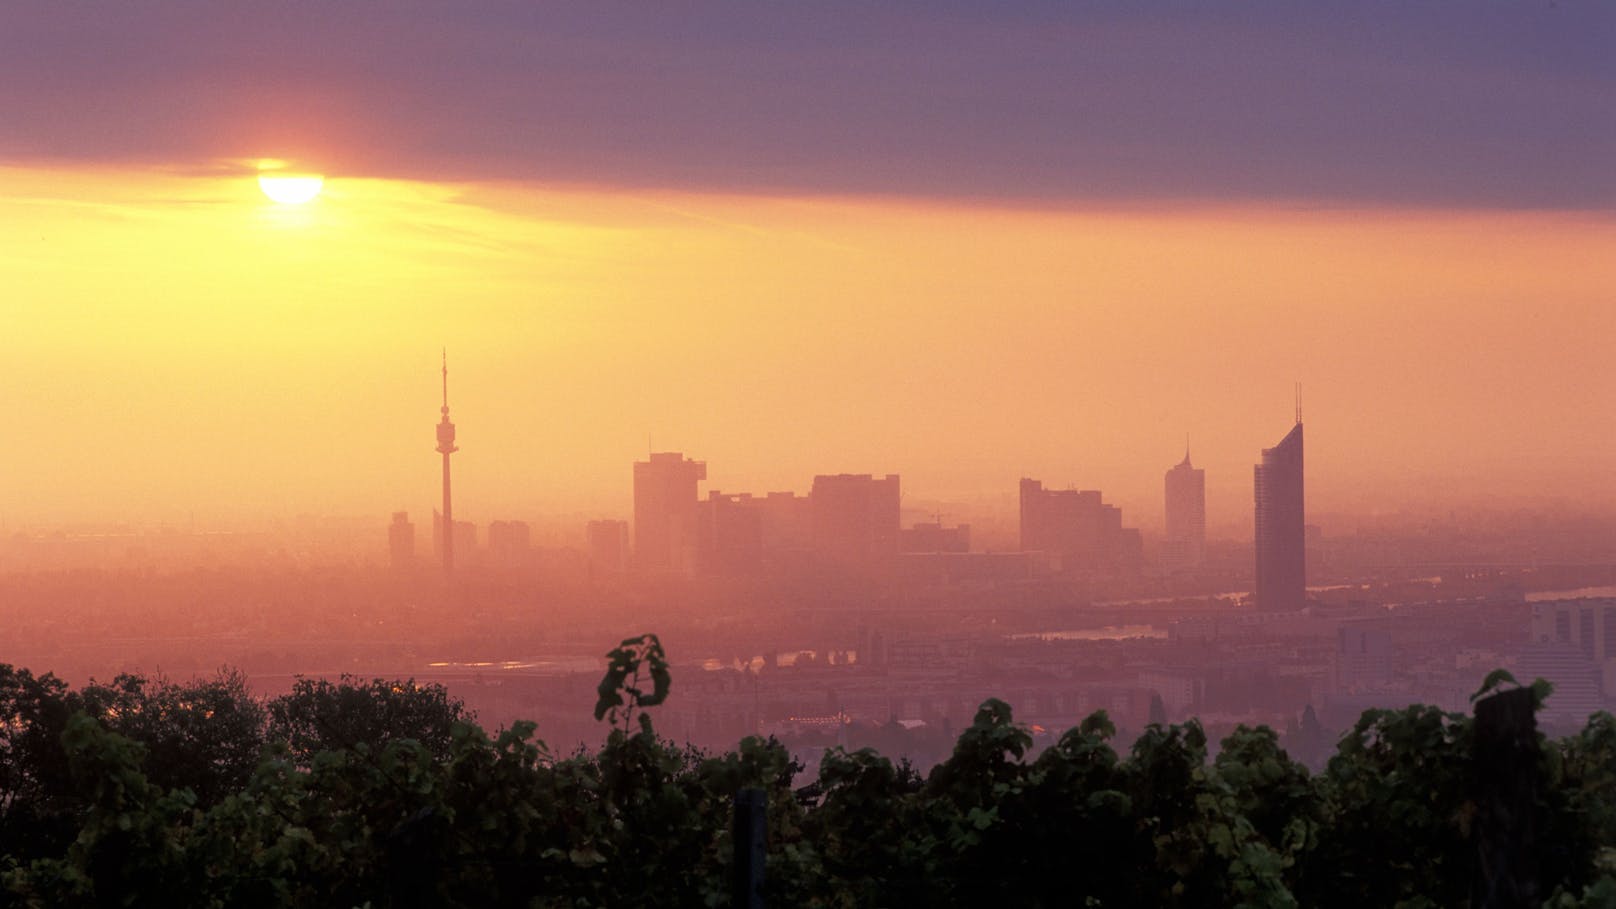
pixel 1422 104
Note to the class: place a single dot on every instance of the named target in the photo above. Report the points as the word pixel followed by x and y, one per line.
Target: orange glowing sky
pixel 962 242
pixel 176 344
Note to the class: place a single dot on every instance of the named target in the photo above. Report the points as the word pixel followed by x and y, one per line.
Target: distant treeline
pixel 383 793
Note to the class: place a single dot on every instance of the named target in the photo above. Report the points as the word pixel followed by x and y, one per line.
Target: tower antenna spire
pixel 1298 402
pixel 446 380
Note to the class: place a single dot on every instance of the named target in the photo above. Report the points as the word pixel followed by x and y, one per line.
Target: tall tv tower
pixel 446 445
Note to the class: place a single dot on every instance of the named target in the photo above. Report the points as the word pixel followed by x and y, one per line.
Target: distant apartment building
pixel 788 523
pixel 932 536
pixel 741 533
pixel 1588 624
pixel 855 518
pixel 666 522
pixel 401 541
pixel 1281 536
pixel 1576 681
pixel 1184 546
pixel 730 533
pixel 1573 645
pixel 1076 528
pixel 608 545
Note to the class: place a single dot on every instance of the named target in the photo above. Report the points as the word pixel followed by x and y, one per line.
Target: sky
pixel 961 242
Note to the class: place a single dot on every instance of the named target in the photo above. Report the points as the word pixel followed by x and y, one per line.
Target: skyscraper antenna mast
pixel 1298 402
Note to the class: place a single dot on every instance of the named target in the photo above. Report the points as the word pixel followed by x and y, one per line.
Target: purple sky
pixel 1466 105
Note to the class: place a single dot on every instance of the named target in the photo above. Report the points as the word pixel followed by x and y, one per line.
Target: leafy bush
pixel 380 794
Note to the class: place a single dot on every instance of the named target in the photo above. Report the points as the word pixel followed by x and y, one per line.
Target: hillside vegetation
pixel 379 793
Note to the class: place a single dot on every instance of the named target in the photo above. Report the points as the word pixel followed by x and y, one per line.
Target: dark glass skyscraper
pixel 1281 534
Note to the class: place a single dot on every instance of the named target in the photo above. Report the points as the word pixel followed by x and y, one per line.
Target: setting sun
pixel 821 454
pixel 291 189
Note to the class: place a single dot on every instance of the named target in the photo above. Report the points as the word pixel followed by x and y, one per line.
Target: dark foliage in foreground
pixel 140 793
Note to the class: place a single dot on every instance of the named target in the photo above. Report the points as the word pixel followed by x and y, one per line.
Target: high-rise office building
pixel 855 518
pixel 1281 530
pixel 1185 543
pixel 665 512
pixel 401 541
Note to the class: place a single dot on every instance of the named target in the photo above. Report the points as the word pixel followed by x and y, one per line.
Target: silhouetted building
pixel 730 539
pixel 1076 529
pixel 788 523
pixel 1281 535
pixel 855 518
pixel 401 541
pixel 446 447
pixel 509 542
pixel 665 515
pixel 608 545
pixel 1585 627
pixel 1575 677
pixel 1185 542
pixel 932 536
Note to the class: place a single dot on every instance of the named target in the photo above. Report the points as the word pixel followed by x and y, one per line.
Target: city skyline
pixel 973 272
pixel 826 375
pixel 760 448
pixel 1184 481
pixel 856 520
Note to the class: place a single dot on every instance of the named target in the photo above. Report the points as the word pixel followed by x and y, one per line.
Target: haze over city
pixel 1145 374
pixel 971 273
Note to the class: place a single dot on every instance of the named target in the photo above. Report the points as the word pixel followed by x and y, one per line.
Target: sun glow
pixel 291 189
pixel 351 287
